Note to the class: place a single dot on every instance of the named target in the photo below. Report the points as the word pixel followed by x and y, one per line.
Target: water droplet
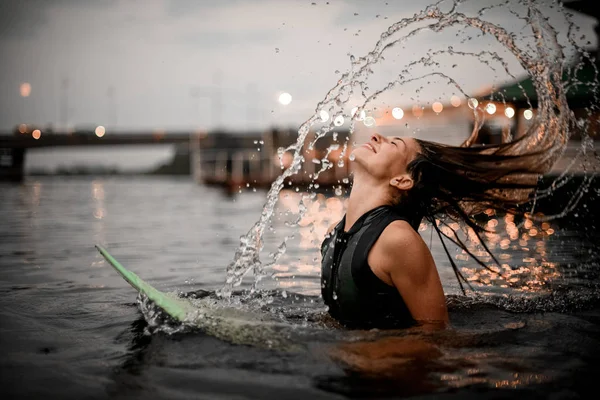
pixel 338 191
pixel 473 103
pixel 369 121
pixel 352 157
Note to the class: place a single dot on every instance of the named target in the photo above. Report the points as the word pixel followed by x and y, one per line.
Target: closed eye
pixel 400 139
pixel 394 143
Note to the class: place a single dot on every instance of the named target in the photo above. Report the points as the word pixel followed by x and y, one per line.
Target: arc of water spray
pixel 545 70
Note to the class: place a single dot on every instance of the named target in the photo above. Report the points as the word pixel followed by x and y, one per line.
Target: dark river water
pixel 72 328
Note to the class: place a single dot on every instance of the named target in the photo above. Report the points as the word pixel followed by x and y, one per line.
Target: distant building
pixel 251 159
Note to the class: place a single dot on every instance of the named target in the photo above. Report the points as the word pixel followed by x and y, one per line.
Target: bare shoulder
pixel 403 250
pixel 400 230
pixel 403 259
pixel 399 236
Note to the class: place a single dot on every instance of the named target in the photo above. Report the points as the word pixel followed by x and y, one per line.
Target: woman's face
pixel 386 157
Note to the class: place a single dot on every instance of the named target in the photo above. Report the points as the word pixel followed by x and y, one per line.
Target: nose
pixel 376 137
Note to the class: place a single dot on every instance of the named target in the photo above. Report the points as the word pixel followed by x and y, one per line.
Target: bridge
pixel 13 146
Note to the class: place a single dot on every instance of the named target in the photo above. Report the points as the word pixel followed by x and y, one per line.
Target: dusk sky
pixel 158 63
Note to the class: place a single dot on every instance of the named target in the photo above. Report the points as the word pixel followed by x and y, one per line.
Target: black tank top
pixel 354 294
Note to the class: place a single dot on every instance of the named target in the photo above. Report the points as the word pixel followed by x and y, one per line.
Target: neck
pixel 365 196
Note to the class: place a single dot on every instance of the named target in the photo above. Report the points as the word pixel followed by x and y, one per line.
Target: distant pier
pixel 237 160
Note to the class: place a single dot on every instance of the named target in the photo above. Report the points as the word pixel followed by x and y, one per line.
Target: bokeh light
pixel 490 108
pixel 473 103
pixel 100 131
pixel 25 89
pixel 397 113
pixel 369 121
pixel 455 101
pixel 285 98
pixel 437 107
pixel 417 110
pixel 509 112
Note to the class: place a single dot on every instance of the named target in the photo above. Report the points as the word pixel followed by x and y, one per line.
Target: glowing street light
pixel 509 112
pixel 25 89
pixel 285 98
pixel 437 107
pixel 397 113
pixel 100 131
pixel 417 111
pixel 528 114
pixel 455 101
pixel 490 108
pixel 339 120
pixel 36 134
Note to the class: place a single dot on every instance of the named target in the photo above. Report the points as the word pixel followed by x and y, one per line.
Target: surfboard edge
pixel 178 308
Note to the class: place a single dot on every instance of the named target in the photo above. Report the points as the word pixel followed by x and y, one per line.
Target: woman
pixel 376 269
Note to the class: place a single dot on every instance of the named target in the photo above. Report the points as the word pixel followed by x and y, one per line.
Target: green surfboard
pixel 226 323
pixel 180 309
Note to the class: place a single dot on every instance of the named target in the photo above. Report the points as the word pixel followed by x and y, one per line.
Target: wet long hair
pixel 458 183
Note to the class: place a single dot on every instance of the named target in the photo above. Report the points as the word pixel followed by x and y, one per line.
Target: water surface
pixel 71 327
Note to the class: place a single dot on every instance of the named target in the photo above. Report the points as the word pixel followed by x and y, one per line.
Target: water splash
pixel 543 58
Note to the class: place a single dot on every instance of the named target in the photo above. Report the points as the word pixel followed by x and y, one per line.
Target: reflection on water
pixel 530 251
pixel 301 271
pixel 69 314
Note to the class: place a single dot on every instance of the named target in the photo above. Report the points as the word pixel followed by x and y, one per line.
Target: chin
pixel 361 153
pixel 355 156
pixel 359 159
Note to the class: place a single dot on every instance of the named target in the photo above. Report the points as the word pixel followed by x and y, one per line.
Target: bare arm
pixel 405 262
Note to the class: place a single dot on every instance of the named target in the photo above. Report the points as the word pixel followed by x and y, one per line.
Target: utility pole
pixel 217 98
pixel 195 94
pixel 251 99
pixel 112 107
pixel 64 103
